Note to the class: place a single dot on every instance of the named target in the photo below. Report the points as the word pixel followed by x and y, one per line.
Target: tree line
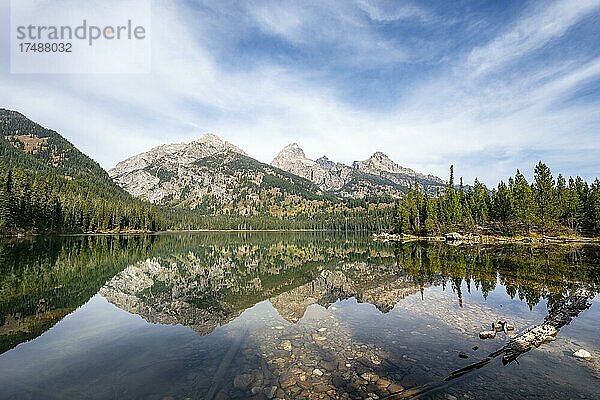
pixel 47 203
pixel 546 205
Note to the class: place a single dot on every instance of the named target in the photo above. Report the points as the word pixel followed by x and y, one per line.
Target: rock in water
pixel 581 353
pixel 286 345
pixel 242 381
pixel 487 334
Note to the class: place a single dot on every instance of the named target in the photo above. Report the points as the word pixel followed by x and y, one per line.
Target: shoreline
pixel 455 238
pixel 128 233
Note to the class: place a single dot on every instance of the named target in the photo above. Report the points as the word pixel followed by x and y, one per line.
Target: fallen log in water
pixel 561 314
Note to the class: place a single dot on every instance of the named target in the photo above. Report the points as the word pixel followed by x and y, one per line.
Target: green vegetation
pixel 47 185
pixel 545 206
pixel 527 273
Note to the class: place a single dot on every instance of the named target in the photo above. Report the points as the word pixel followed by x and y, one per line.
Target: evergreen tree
pixel 545 197
pixel 431 219
pixel 593 208
pixel 523 202
pixel 573 207
pixel 502 205
pixel 508 208
pixel 479 199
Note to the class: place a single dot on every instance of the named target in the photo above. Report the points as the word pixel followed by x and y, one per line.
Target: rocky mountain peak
pixel 325 163
pixel 292 159
pixel 380 162
pixel 378 155
pixel 212 140
pixel 292 150
pixel 290 155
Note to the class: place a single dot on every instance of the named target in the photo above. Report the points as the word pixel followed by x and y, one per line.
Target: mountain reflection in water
pixel 284 315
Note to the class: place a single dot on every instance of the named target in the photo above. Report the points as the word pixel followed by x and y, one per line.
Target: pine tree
pixel 562 197
pixel 523 201
pixel 431 220
pixel 545 197
pixel 479 199
pixel 451 204
pixel 593 208
pixel 502 205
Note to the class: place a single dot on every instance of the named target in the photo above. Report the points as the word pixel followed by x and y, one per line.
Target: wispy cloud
pixel 266 73
pixel 387 11
pixel 543 22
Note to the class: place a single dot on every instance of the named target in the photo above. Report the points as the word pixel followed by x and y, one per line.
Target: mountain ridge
pixel 209 167
pixel 377 174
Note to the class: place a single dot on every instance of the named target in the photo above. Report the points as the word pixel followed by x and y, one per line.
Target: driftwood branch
pixel 560 315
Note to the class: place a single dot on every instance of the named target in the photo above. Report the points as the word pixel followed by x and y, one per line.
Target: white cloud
pixel 545 22
pixel 387 11
pixel 483 126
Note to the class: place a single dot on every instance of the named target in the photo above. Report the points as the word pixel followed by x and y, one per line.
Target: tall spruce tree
pixel 502 205
pixel 479 203
pixel 523 201
pixel 574 205
pixel 545 197
pixel 593 208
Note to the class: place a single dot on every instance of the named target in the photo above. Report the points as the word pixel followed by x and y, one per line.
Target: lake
pixel 288 315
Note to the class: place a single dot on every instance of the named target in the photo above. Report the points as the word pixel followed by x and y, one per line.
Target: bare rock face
pixel 376 176
pixel 166 170
pixel 381 165
pixel 208 173
pixel 323 173
pixel 325 163
pixel 213 174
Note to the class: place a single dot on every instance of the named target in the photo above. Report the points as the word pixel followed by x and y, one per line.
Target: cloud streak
pixel 343 79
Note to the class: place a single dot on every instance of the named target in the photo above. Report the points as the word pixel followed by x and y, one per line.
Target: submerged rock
pixel 487 334
pixel 286 345
pixel 242 381
pixel 583 354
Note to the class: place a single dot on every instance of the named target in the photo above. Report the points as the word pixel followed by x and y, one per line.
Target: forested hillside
pixel 47 185
pixel 546 205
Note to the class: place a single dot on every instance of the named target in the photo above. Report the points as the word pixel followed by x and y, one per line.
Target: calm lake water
pixel 281 315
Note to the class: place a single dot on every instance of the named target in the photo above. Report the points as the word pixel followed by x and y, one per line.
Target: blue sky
pixel 486 86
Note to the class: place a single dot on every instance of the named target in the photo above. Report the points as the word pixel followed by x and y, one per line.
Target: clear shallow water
pixel 214 316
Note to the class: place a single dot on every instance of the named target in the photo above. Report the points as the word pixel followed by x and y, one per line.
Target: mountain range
pixel 376 176
pixel 47 184
pixel 211 168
